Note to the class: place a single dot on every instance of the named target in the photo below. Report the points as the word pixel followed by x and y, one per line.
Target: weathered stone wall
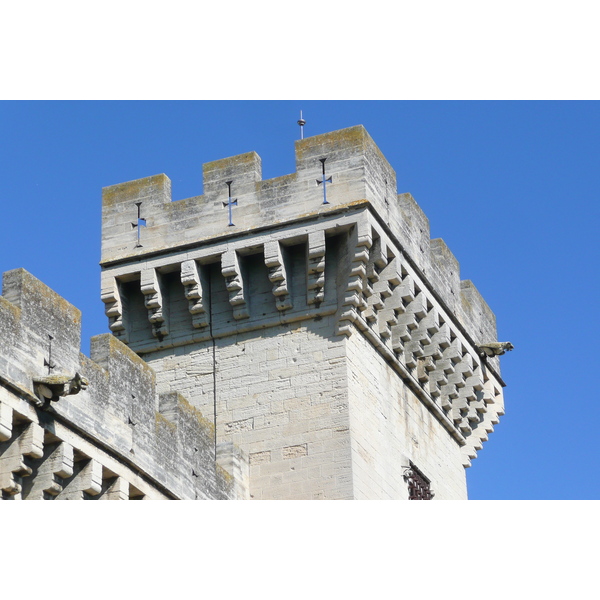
pixel 281 396
pixel 116 439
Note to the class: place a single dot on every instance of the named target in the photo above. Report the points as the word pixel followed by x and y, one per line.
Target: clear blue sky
pixel 512 187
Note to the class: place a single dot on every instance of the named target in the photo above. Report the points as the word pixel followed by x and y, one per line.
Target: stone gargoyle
pixel 495 348
pixel 54 387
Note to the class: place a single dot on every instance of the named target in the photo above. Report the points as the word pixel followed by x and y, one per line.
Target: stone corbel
pixel 377 261
pixel 119 490
pixel 490 398
pixel 191 278
pixel 354 298
pixel 153 299
pixel 412 309
pixel 231 271
pixel 376 282
pixel 440 342
pixel 56 466
pixel 422 346
pixel 113 307
pixel 315 267
pixel 277 275
pixel 88 480
pixel 390 280
pixel 454 379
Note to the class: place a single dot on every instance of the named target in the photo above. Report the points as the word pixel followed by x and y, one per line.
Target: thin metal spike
pixel 302 123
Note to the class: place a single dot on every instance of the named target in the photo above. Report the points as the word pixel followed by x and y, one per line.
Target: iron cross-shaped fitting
pixel 139 224
pixel 230 202
pixel 49 362
pixel 324 181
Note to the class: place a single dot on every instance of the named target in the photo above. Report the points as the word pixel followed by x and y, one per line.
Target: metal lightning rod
pixel 302 123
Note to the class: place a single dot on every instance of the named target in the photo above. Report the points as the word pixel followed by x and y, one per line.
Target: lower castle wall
pixel 390 426
pixel 116 437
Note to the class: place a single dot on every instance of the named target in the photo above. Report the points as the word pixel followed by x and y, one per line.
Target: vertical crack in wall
pixel 214 356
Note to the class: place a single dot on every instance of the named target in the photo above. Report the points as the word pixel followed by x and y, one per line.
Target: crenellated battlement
pixel 116 438
pixel 360 176
pixel 358 169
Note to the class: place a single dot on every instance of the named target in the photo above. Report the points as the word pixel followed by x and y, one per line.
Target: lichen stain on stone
pixel 184 204
pixel 232 162
pixel 133 190
pixel 162 421
pixel 193 412
pixel 331 208
pixel 337 140
pixel 282 181
pixel 118 347
pixel 225 475
pixel 15 310
pixel 46 297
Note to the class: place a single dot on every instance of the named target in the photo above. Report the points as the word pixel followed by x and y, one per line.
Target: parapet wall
pixel 115 438
pixel 359 174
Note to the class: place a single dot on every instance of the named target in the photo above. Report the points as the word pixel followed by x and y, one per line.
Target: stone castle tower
pixel 323 331
pixel 302 337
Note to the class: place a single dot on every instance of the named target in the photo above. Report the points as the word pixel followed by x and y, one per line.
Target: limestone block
pixel 6 421
pixel 290 452
pixel 420 343
pixel 244 170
